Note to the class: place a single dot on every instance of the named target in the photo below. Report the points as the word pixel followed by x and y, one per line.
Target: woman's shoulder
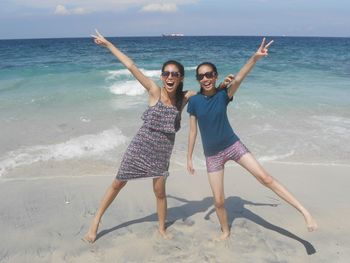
pixel 221 90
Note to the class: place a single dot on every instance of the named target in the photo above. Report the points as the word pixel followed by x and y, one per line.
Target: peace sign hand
pixel 100 40
pixel 263 49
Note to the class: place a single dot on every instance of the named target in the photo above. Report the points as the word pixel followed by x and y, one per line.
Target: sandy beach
pixel 44 219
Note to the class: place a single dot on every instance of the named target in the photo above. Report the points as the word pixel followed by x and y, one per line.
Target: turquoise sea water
pixel 68 100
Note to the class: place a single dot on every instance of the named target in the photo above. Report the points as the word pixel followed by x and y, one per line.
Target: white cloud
pixel 62 10
pixel 160 8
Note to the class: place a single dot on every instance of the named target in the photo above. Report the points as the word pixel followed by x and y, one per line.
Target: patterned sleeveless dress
pixel 148 154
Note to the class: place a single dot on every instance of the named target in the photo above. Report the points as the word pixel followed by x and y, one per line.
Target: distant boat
pixel 173 35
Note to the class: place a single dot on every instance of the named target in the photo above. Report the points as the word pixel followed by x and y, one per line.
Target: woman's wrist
pixel 255 57
pixel 109 45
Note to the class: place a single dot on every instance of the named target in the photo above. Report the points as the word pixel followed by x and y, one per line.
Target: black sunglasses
pixel 174 74
pixel 208 75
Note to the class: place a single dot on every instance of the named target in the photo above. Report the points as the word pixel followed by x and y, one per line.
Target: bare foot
pixel 92 233
pixel 310 222
pixel 90 237
pixel 222 237
pixel 164 234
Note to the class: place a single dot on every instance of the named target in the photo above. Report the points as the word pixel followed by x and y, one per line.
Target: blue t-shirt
pixel 211 113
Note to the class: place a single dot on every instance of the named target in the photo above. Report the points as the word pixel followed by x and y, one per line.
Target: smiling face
pixel 207 76
pixel 171 77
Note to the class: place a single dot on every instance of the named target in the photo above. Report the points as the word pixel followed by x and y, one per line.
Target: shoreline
pixel 230 165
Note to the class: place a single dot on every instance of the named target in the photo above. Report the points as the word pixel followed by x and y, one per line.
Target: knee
pixel 118 185
pixel 159 192
pixel 266 179
pixel 219 202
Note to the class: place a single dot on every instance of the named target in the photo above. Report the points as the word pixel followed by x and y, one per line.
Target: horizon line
pixel 160 36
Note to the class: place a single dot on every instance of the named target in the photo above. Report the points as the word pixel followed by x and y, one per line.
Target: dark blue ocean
pixel 67 103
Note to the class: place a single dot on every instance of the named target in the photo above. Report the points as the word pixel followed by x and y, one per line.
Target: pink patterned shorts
pixel 234 152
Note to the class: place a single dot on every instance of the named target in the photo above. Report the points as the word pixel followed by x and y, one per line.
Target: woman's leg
pixel 110 195
pixel 159 192
pixel 216 180
pixel 249 162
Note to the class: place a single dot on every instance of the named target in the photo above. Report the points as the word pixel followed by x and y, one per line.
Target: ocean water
pixel 69 107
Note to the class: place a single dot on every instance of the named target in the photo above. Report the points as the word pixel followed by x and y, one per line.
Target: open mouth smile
pixel 170 84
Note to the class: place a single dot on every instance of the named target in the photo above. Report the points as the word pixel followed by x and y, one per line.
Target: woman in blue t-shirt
pixel 220 143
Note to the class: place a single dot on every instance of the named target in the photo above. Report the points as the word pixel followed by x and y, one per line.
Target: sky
pixel 79 18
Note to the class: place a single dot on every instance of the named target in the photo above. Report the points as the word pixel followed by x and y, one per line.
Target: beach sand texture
pixel 44 219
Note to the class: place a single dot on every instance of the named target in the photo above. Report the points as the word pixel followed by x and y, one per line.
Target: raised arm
pixel 192 135
pixel 147 83
pixel 260 53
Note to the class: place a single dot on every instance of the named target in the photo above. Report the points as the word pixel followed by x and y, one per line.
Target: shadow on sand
pixel 235 208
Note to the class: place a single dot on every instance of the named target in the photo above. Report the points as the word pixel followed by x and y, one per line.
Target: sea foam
pixel 80 147
pixel 129 87
pixel 123 83
pixel 116 74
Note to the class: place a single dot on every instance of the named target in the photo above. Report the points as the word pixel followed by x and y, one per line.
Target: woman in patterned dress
pixel 149 152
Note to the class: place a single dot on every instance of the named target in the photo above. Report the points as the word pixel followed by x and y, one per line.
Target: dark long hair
pixel 207 64
pixel 179 90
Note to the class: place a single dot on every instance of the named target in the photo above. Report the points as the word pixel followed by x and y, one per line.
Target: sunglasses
pixel 174 74
pixel 208 75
